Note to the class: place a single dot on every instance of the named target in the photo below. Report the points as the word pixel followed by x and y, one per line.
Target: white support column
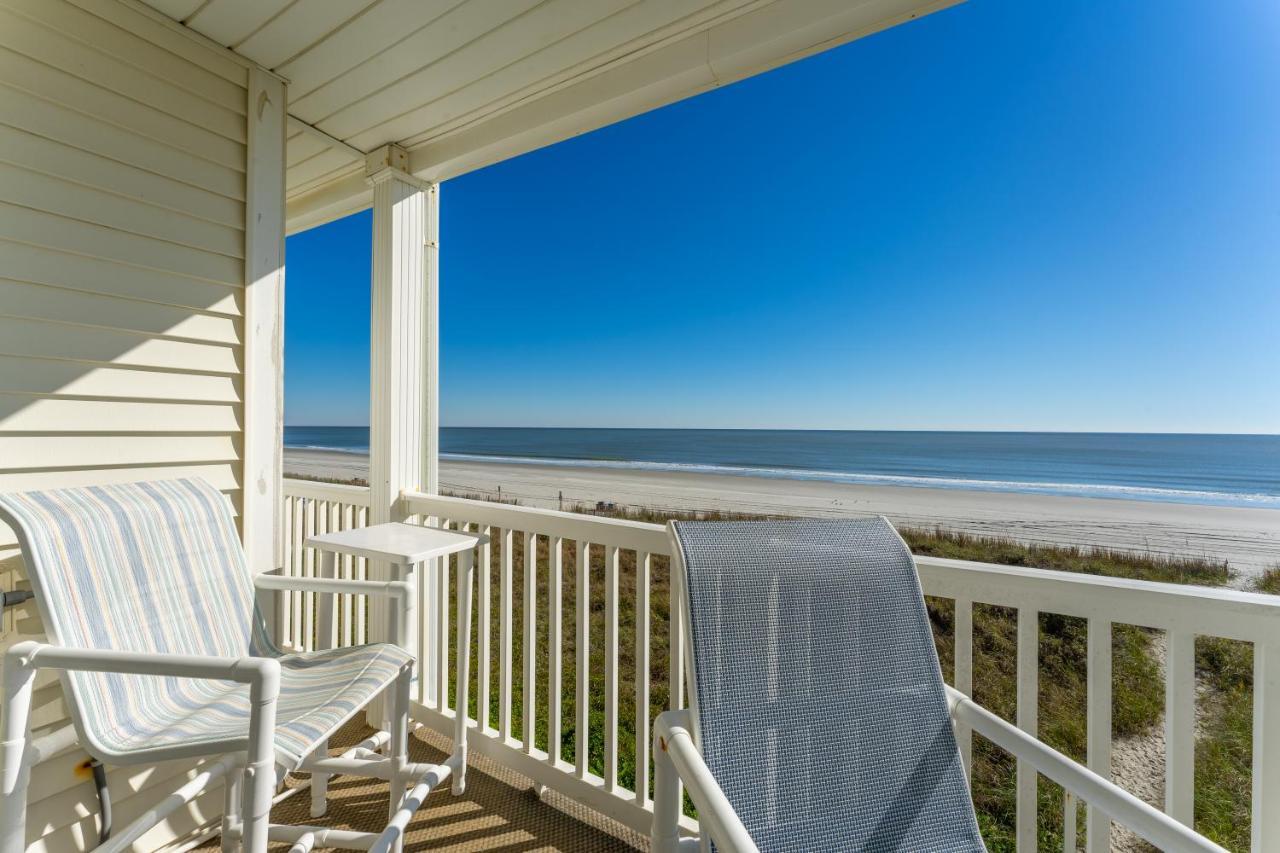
pixel 431 359
pixel 402 359
pixel 264 328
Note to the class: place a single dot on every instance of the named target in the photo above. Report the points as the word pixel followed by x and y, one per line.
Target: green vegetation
pixel 1224 751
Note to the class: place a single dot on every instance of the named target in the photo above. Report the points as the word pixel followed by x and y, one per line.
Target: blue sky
pixel 1007 215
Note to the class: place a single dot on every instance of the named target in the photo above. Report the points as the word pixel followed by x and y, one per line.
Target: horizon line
pixel 826 429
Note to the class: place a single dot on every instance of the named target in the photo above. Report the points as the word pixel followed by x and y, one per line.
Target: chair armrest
pixel 674 749
pixel 384 589
pixel 1118 804
pixel 244 670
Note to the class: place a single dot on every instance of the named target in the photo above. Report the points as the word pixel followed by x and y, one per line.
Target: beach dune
pixel 1246 538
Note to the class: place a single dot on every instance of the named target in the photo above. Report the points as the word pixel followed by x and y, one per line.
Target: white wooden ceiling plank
pixel 303 147
pixel 374 33
pixel 491 51
pixel 336 176
pixel 176 9
pixel 369 81
pixel 322 164
pixel 230 22
pixel 625 34
pixel 652 80
pixel 297 28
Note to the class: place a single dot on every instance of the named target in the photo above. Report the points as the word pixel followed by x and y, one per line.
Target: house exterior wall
pixel 124 173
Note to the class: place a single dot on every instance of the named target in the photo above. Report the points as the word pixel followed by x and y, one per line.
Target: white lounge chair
pixel 150 614
pixel 818 718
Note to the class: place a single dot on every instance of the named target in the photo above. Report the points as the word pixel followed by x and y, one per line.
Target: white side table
pixel 403 547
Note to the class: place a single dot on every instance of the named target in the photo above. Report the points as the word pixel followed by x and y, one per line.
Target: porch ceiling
pixel 464 83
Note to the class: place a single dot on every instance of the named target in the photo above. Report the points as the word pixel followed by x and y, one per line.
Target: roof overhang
pixel 461 84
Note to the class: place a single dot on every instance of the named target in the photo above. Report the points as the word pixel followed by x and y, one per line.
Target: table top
pixel 396 542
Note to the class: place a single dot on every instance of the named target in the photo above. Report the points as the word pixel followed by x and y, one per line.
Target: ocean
pixel 1223 470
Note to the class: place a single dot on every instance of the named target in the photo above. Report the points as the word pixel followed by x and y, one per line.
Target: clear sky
pixel 1007 215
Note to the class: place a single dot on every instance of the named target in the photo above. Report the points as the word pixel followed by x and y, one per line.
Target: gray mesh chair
pixel 818 718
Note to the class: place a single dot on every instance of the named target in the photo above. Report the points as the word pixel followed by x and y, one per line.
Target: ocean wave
pixel 357 451
pixel 1101 490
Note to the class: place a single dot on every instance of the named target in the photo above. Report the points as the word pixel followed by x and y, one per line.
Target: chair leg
pixel 15 771
pixel 231 809
pixel 399 745
pixel 320 785
pixel 260 772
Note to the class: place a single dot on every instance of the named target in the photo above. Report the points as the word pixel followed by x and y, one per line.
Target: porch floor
pixel 498 812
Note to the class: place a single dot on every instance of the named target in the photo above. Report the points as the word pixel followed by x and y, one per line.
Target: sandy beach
pixel 1248 539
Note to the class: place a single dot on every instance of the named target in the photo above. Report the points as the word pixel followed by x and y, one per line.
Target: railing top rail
pixel 634 535
pixel 338 492
pixel 1213 611
pixel 1230 613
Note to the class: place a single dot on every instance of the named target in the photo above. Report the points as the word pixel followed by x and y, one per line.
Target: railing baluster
pixel 285 599
pixel 295 598
pixel 348 572
pixel 1180 726
pixel 584 656
pixel 1098 714
pixel 362 573
pixel 611 570
pixel 309 570
pixel 1265 830
pixel 327 605
pixel 643 561
pixel 528 715
pixel 504 637
pixel 1028 721
pixel 555 676
pixel 483 632
pixel 1068 822
pixel 442 625
pixel 964 675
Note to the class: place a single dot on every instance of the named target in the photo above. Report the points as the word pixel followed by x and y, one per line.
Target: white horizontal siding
pixel 114 40
pixel 35 376
pixel 122 239
pixel 26 262
pixel 55 304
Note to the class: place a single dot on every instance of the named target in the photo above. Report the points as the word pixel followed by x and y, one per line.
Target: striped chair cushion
pixel 158 567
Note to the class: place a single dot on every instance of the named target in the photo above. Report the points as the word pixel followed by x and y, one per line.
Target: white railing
pixel 590 551
pixel 311 508
pixel 593 550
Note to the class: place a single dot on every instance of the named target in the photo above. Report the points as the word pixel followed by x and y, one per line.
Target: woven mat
pixel 498 812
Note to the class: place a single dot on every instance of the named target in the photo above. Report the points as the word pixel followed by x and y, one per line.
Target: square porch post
pixel 403 359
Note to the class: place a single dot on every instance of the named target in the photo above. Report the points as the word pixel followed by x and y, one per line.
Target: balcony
pixel 581 634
